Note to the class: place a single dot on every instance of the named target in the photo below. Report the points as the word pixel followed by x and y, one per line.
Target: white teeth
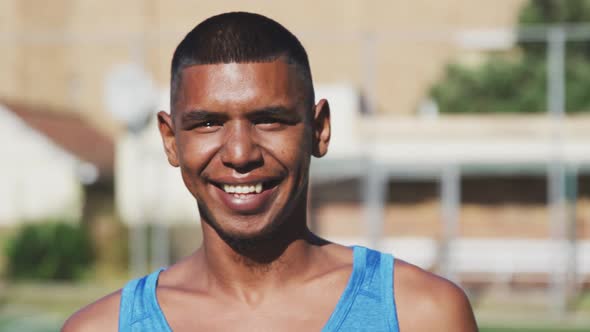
pixel 247 189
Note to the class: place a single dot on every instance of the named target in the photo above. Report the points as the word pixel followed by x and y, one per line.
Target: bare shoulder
pixel 102 315
pixel 427 302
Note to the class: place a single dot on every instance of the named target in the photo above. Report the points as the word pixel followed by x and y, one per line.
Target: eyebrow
pixel 201 115
pixel 277 112
pixel 280 112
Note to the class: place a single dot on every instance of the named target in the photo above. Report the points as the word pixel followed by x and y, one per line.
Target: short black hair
pixel 239 37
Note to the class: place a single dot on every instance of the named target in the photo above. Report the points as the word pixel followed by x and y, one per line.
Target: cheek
pixel 195 152
pixel 291 149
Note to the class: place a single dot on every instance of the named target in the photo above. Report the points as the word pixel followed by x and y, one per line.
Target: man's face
pixel 243 137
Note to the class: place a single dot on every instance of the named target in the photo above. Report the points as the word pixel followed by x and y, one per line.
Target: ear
pixel 321 128
pixel 166 126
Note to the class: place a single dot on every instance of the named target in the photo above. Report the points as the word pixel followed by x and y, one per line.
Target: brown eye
pixel 268 123
pixel 208 126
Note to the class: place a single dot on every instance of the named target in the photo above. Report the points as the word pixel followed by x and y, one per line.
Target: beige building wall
pixel 57 53
pixel 9 25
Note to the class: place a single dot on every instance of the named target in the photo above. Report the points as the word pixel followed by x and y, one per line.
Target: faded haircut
pixel 239 37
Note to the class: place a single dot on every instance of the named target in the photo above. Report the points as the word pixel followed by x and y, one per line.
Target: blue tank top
pixel 367 303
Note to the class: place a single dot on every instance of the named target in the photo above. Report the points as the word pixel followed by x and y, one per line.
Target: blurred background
pixel 461 143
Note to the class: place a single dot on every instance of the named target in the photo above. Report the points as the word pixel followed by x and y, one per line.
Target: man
pixel 243 127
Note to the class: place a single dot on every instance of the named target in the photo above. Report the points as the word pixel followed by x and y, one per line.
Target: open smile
pixel 246 198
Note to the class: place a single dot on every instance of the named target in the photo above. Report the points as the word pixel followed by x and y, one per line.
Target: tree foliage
pixel 49 251
pixel 518 83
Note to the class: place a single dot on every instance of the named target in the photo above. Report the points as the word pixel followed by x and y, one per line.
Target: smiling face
pixel 242 135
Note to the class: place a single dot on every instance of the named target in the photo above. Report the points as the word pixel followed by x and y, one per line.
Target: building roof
pixel 71 132
pixel 478 144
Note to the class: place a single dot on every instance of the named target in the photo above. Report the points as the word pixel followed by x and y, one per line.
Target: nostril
pixel 241 153
pixel 247 167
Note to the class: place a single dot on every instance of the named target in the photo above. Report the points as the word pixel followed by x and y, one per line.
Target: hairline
pixel 303 74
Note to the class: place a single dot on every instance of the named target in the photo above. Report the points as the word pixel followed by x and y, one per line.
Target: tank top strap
pixel 387 288
pixel 373 307
pixel 139 304
pixel 373 267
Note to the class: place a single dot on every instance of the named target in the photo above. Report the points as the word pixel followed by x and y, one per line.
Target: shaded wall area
pixel 498 206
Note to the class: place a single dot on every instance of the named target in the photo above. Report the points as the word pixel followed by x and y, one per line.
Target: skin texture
pixel 260 268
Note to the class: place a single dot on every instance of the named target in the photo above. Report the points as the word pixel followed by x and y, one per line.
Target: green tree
pixel 49 251
pixel 517 83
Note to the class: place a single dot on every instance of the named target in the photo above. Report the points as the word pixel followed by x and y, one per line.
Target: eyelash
pixel 209 124
pixel 267 120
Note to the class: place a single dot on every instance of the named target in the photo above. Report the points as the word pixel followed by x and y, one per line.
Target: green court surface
pixel 531 329
pixel 36 322
pixel 32 324
pixel 32 320
pixel 43 307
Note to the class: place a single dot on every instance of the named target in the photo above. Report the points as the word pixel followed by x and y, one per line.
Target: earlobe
pixel 166 128
pixel 321 128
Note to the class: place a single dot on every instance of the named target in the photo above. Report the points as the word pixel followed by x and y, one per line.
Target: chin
pixel 252 234
pixel 251 229
pixel 249 241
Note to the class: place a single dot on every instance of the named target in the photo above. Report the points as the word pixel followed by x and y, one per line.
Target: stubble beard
pixel 262 248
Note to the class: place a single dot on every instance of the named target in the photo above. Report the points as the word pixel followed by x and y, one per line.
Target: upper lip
pixel 250 180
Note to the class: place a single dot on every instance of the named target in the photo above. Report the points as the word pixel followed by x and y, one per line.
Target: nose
pixel 240 150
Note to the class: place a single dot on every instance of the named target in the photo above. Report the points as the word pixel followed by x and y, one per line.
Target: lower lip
pixel 246 204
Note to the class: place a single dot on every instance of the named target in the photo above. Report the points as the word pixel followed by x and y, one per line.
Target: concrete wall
pixel 57 53
pixel 39 179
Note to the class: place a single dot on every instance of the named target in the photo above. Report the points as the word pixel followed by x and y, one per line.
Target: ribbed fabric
pixel 139 310
pixel 367 303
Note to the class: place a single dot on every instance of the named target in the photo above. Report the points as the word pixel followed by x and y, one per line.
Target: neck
pixel 261 264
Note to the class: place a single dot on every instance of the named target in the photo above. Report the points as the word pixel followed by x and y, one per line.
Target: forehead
pixel 239 85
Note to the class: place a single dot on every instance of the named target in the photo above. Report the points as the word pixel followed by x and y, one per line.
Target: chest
pixel 294 312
